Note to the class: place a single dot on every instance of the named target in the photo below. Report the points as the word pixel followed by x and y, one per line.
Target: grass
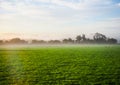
pixel 60 65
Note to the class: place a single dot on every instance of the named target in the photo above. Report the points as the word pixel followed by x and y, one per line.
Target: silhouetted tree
pixel 54 41
pixel 70 40
pixel 38 41
pixel 112 41
pixel 78 38
pixel 99 38
pixel 1 41
pixel 35 42
pixel 89 41
pixel 83 37
pixel 42 41
pixel 65 40
pixel 17 41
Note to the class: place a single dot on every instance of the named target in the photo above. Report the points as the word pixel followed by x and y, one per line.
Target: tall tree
pixel 70 40
pixel 83 37
pixel 99 38
pixel 65 40
pixel 17 41
pixel 1 41
pixel 78 38
pixel 112 40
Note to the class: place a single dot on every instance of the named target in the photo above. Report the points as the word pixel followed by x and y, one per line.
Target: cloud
pixel 21 9
pixel 55 9
pixel 30 7
pixel 118 4
pixel 109 27
pixel 57 16
pixel 74 4
pixel 46 1
pixel 81 4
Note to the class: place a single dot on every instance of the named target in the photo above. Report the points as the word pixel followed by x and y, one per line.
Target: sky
pixel 58 19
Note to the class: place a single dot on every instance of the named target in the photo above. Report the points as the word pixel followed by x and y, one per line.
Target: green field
pixel 60 65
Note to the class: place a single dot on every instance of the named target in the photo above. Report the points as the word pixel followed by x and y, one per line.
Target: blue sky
pixel 58 19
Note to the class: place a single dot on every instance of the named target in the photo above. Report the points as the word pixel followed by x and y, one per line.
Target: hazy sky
pixel 57 19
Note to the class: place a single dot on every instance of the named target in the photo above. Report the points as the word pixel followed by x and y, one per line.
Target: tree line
pixel 98 38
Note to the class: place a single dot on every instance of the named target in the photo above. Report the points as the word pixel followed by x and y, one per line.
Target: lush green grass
pixel 66 65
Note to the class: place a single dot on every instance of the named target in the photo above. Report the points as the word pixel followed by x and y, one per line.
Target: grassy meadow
pixel 60 65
